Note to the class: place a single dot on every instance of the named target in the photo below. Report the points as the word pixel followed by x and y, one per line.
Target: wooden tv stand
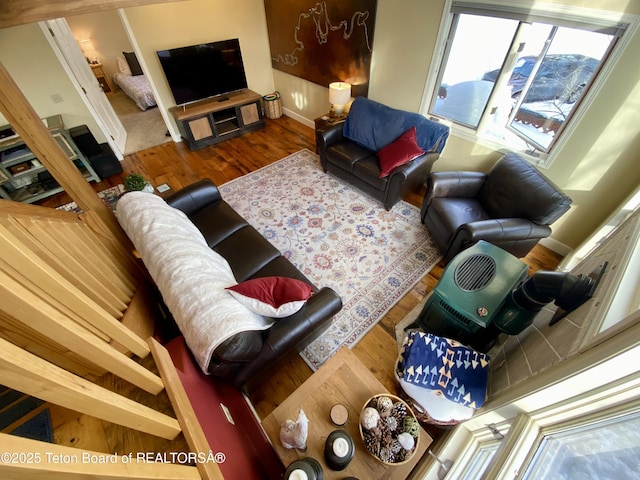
pixel 216 119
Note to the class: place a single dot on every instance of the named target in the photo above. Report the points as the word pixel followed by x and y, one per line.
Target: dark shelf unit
pixel 21 171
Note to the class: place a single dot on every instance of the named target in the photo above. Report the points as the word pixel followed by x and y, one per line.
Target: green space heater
pixel 485 291
pixel 471 292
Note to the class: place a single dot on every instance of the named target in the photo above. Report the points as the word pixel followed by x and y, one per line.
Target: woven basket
pixel 272 105
pixel 395 399
pixel 423 416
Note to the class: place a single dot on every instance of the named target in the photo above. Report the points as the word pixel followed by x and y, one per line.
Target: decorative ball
pixel 384 404
pixel 411 426
pixel 406 441
pixel 369 418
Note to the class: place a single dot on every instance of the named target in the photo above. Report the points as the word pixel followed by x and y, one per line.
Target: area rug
pixel 109 196
pixel 339 238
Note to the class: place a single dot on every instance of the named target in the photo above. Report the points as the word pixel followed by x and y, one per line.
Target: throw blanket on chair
pixel 190 276
pixel 375 126
pixel 431 366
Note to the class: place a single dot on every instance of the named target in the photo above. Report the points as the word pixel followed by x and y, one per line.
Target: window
pixel 608 448
pixel 586 412
pixel 517 77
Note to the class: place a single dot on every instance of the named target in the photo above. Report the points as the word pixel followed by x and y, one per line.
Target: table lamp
pixel 86 45
pixel 339 96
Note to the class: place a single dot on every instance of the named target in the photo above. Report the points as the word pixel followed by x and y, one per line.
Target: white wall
pixel 170 25
pixel 27 56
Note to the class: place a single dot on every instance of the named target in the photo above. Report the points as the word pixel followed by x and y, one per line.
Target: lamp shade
pixel 339 93
pixel 87 46
pixel 89 50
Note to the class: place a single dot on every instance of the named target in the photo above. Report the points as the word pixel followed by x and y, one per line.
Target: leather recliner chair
pixel 511 207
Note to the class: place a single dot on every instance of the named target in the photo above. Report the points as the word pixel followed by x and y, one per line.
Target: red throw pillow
pixel 274 297
pixel 402 150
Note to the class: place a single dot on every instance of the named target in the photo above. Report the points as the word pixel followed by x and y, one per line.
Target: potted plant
pixel 136 182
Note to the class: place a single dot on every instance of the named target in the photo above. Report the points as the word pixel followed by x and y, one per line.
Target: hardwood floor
pixel 177 166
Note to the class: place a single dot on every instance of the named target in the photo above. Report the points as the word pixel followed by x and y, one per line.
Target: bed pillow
pixel 399 152
pixel 274 297
pixel 134 65
pixel 123 66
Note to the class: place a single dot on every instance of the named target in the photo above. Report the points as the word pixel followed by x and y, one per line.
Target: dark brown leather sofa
pixel 244 357
pixel 349 149
pixel 511 207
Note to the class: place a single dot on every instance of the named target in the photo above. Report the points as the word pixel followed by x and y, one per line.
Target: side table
pixel 102 77
pixel 342 379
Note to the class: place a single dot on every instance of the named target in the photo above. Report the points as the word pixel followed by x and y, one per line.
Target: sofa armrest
pixel 455 184
pixel 194 197
pixel 408 177
pixel 330 134
pixel 326 137
pixel 496 231
pixel 293 333
pixel 451 184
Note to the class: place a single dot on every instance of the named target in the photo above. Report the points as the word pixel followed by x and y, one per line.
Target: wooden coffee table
pixel 342 379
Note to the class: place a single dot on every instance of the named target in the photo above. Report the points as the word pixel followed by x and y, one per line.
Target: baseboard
pixel 556 246
pixel 299 118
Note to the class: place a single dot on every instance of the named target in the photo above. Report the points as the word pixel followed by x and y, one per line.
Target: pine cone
pixel 376 432
pixel 386 439
pixel 399 410
pixel 385 431
pixel 402 455
pixel 392 423
pixel 371 443
pixel 387 455
pixel 395 446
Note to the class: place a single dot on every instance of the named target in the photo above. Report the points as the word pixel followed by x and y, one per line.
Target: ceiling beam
pixel 20 12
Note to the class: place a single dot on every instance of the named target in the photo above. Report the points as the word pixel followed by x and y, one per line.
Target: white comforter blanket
pixel 190 276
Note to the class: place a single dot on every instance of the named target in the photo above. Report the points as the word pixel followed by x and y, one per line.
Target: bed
pixel 134 84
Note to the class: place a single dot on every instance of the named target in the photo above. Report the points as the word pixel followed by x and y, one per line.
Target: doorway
pixel 105 42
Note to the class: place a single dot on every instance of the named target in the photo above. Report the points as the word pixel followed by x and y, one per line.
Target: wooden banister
pixel 23 260
pixel 23 305
pixel 36 460
pixel 191 428
pixel 34 376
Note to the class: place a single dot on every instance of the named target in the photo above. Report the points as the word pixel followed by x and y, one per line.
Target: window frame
pixel 568 395
pixel 564 13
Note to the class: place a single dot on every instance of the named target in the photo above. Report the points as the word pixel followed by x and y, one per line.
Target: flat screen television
pixel 202 71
